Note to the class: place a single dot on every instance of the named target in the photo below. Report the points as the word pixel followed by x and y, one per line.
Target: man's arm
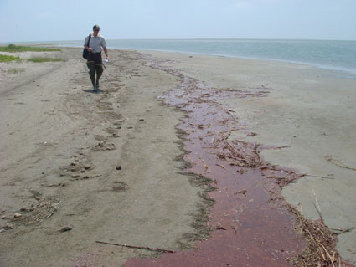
pixel 106 53
pixel 103 45
pixel 88 48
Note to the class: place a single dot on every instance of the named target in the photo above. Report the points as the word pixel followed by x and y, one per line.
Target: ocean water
pixel 333 55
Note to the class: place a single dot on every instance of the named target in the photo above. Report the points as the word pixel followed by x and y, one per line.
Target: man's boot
pixel 99 70
pixel 93 83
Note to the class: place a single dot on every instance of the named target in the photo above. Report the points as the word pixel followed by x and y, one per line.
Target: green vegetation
pixel 7 58
pixel 19 48
pixel 11 48
pixel 44 59
pixel 15 71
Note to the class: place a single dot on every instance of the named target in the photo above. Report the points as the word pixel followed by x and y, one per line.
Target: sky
pixel 48 20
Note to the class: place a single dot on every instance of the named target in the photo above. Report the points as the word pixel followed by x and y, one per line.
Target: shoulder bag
pixel 85 51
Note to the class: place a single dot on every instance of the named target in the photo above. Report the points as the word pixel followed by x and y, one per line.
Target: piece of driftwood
pixel 137 247
pixel 339 163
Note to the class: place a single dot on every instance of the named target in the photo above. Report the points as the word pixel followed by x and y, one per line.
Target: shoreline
pixel 165 45
pixel 342 73
pixel 218 73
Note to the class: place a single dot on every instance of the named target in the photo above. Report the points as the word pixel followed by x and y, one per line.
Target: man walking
pixel 93 44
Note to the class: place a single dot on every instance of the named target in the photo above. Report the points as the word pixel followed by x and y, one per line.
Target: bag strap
pixel 89 40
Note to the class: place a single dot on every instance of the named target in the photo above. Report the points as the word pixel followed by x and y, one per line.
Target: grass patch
pixel 15 71
pixel 45 59
pixel 19 48
pixel 7 58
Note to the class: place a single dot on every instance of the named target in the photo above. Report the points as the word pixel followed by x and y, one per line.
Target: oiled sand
pixel 79 166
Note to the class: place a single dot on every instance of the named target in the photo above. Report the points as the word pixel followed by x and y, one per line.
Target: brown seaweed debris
pixel 321 242
pixel 321 249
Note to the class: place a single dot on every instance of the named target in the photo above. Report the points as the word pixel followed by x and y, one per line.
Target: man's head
pixel 96 29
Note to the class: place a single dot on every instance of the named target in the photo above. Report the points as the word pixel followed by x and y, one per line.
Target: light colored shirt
pixel 96 42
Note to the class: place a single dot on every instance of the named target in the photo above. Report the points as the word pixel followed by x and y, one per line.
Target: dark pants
pixel 95 66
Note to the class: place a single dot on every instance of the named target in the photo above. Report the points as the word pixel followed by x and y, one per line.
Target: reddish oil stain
pixel 251 223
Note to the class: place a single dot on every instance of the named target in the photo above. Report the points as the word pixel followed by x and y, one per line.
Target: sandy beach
pixel 176 151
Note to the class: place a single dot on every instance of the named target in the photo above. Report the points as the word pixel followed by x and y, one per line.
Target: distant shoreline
pixel 337 68
pixel 334 55
pixel 267 39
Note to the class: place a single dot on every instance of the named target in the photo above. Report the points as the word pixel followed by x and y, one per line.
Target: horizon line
pixel 186 38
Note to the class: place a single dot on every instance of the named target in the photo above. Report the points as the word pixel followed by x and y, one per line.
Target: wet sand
pixel 129 165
